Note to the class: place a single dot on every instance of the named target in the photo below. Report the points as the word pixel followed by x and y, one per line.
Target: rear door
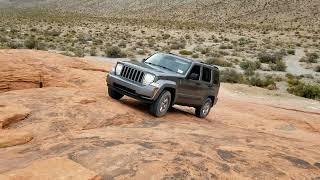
pixel 190 90
pixel 206 81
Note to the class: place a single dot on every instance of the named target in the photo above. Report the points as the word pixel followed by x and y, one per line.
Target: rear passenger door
pixel 206 81
pixel 191 89
pixel 188 92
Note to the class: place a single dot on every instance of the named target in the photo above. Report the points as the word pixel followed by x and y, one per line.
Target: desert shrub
pixel 97 42
pixel 250 65
pixel 280 65
pixel 67 53
pixel 151 43
pixel 249 72
pixel 78 52
pixel 41 46
pixel 30 43
pixel 219 62
pixel 14 45
pixel 139 43
pixel 115 52
pixel 185 52
pixel 3 39
pixel 299 88
pixel 52 33
pixel 141 52
pixel 204 50
pixel 166 36
pixel 243 41
pixel 178 44
pixel 226 46
pixel 122 44
pixel 310 58
pixel 265 57
pixel 93 51
pixel 267 82
pixel 195 56
pixel 231 76
pixel 291 51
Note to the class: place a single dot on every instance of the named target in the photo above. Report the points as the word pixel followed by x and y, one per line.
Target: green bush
pixel 185 52
pixel 93 52
pixel 250 65
pixel 178 44
pixel 122 44
pixel 3 39
pixel 219 62
pixel 165 36
pixel 115 52
pixel 310 58
pixel 33 43
pixel 231 76
pixel 78 52
pixel 141 52
pixel 265 57
pixel 30 43
pixel 52 33
pixel 280 65
pixel 291 51
pixel 195 56
pixel 67 53
pixel 41 46
pixel 267 82
pixel 298 88
pixel 226 46
pixel 14 45
pixel 204 50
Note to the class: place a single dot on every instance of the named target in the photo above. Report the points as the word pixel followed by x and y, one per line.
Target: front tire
pixel 114 94
pixel 203 111
pixel 160 107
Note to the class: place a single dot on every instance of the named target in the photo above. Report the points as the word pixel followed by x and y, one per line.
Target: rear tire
pixel 204 110
pixel 160 107
pixel 114 94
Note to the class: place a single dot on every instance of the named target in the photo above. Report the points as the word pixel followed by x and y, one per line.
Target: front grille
pixel 132 74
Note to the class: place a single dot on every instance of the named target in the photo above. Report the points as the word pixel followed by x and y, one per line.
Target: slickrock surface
pixel 251 133
pixel 54 168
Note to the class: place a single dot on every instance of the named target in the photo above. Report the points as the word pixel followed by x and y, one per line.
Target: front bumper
pixel 144 93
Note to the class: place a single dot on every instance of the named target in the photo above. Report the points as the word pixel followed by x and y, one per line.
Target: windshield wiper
pixel 160 66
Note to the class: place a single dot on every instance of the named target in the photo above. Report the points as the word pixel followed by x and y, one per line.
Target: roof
pixel 192 60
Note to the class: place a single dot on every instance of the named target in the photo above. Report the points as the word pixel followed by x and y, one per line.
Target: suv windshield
pixel 169 62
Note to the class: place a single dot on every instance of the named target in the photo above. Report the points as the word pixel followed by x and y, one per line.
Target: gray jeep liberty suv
pixel 163 80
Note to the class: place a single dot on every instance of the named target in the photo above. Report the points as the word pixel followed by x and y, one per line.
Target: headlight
pixel 118 68
pixel 148 79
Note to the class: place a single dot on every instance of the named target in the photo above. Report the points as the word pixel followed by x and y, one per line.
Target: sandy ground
pixel 251 133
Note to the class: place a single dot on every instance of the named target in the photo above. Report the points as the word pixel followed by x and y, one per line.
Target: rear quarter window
pixel 216 77
pixel 206 74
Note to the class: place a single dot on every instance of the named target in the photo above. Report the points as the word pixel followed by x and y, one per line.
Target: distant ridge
pixel 275 12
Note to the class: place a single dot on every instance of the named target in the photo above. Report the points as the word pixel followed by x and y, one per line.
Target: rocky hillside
pixel 276 12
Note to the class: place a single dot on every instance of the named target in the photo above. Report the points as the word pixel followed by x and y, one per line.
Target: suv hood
pixel 158 71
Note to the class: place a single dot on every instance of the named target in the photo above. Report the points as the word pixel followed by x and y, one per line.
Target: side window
pixel 216 77
pixel 195 73
pixel 206 74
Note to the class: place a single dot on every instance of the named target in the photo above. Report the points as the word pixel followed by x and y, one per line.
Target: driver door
pixel 190 88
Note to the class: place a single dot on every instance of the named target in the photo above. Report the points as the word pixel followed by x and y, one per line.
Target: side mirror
pixel 194 76
pixel 144 59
